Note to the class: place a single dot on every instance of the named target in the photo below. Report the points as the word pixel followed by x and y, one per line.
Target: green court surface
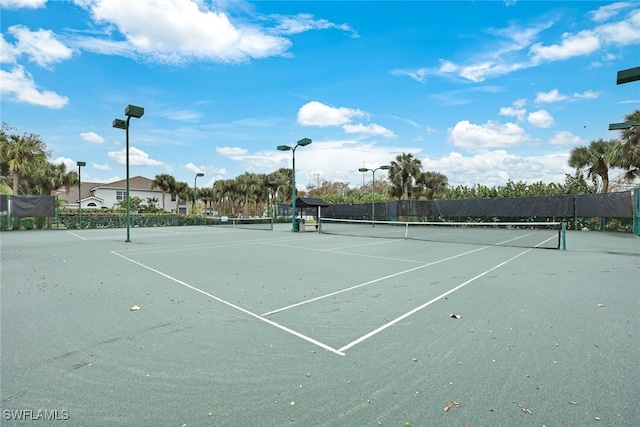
pixel 273 328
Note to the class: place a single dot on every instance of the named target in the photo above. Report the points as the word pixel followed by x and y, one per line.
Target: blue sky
pixel 481 91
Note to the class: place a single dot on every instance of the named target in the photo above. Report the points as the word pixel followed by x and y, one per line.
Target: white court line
pixel 195 247
pixel 272 323
pixel 334 251
pixel 373 281
pixel 74 234
pixel 415 310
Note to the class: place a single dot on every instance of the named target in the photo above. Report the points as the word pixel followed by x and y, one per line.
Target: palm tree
pixel 51 177
pixel 22 155
pixel 434 183
pixel 178 189
pixel 403 172
pixel 164 182
pixel 594 160
pixel 208 196
pixel 626 154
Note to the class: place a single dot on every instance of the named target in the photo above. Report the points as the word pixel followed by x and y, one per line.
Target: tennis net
pixel 518 234
pixel 265 223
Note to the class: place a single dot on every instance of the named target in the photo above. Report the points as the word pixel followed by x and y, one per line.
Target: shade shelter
pixel 310 206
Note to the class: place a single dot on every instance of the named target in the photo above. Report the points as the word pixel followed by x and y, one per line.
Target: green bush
pixel 27 223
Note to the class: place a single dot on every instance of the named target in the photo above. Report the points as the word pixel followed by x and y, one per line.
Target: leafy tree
pixel 179 189
pixel 403 172
pixel 207 195
pixel 432 184
pixel 594 160
pixel 626 154
pixel 165 183
pixel 21 154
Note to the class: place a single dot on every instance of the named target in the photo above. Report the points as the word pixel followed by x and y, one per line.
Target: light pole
pixel 195 195
pixel 272 198
pixel 130 111
pixel 303 142
pixel 80 164
pixel 373 188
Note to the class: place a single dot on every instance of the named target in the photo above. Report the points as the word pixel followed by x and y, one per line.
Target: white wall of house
pixel 111 196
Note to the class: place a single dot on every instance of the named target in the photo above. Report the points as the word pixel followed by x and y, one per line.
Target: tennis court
pixel 223 326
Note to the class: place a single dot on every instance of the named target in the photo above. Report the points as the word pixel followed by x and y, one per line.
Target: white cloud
pixel 622 33
pixel 610 10
pixel 565 138
pixel 493 168
pixel 579 44
pixel 232 151
pixel 179 31
pixel 103 167
pixel 137 157
pixel 549 97
pixel 207 170
pixel 42 46
pixel 513 112
pixel 70 164
pixel 554 95
pixel 8 53
pixel 315 113
pixel 517 48
pixel 92 137
pixel 540 119
pixel 489 135
pixel 305 22
pixel 18 86
pixel 370 129
pixel 19 4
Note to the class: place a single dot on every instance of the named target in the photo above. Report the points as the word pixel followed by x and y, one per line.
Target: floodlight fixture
pixel 629 75
pixel 301 143
pixel 119 124
pixel 133 111
pixel 622 126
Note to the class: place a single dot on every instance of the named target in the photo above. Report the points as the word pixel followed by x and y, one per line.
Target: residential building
pixel 98 195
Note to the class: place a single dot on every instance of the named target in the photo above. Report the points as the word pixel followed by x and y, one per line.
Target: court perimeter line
pixel 379 279
pixel 74 234
pixel 270 322
pixel 415 310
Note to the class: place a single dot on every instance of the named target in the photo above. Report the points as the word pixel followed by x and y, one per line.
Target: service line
pixel 379 279
pixel 428 303
pixel 256 316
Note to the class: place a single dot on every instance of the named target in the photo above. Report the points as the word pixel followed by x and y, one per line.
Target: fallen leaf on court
pixel 527 410
pixel 135 308
pixel 600 305
pixel 452 404
pixel 597 418
pixel 573 403
pixel 455 316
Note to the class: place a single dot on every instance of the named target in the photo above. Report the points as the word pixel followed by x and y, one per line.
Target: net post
pixel 563 236
pixel 406 230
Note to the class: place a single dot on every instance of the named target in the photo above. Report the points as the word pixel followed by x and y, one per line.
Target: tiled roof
pixel 71 194
pixel 135 183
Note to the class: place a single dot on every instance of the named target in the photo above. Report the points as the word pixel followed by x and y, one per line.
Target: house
pixel 98 195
